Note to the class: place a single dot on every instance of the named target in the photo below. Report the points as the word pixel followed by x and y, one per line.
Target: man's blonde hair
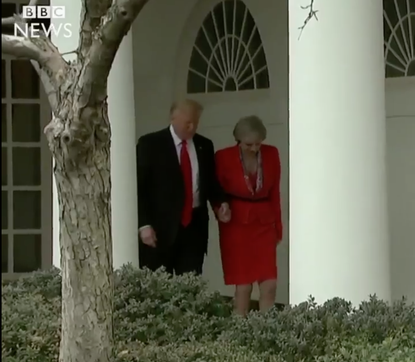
pixel 186 103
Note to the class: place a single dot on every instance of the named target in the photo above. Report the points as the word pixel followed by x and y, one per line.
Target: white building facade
pixel 338 102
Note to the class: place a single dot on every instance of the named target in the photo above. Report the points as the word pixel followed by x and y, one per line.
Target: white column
pixel 338 212
pixel 123 165
pixel 123 160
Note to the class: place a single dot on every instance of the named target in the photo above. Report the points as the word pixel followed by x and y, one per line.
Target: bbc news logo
pixel 36 29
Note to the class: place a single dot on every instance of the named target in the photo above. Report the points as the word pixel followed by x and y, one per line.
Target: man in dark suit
pixel 176 178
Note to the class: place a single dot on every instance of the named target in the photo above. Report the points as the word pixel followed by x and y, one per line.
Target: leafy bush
pixel 159 318
pixel 312 330
pixel 154 307
pixel 193 352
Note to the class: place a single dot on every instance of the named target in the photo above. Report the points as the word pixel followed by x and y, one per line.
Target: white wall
pixel 400 110
pixel 163 37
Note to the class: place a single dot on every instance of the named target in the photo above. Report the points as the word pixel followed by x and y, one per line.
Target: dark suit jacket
pixel 160 186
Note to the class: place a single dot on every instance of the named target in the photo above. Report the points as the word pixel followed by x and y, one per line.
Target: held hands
pixel 224 213
pixel 148 236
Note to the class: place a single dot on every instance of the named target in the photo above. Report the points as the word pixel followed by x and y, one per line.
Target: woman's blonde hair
pixel 247 126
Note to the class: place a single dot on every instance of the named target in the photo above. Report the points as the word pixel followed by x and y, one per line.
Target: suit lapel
pixel 171 151
pixel 199 150
pixel 200 157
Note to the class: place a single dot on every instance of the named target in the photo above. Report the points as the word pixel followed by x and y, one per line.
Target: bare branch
pixel 20 47
pixel 311 14
pixel 9 21
pixel 114 26
pixel 44 56
pixel 40 48
pixel 48 64
pixel 91 15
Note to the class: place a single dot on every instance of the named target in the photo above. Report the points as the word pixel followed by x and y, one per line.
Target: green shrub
pixel 155 307
pixel 192 352
pixel 356 350
pixel 30 318
pixel 322 330
pixel 159 318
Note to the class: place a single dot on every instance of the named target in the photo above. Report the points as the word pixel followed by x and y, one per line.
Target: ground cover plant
pixel 162 319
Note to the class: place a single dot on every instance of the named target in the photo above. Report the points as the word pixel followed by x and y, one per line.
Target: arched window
pixel 228 54
pixel 399 35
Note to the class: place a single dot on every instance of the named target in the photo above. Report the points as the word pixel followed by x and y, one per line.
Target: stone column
pixel 339 242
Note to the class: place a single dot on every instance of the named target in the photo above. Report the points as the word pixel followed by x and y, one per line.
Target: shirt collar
pixel 176 139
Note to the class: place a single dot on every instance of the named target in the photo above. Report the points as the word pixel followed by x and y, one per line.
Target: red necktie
pixel 186 167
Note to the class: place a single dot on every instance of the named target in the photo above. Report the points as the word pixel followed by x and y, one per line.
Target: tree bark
pixel 86 261
pixel 79 139
pixel 84 193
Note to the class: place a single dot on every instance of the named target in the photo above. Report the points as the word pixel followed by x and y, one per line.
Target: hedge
pixel 163 319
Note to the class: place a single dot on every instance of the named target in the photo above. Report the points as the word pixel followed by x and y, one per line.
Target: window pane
pixel 26 210
pixel 25 81
pixel 8 10
pixel 4 166
pixel 4 211
pixel 3 79
pixel 26 122
pixel 4 253
pixel 27 253
pixel 26 166
pixel 3 123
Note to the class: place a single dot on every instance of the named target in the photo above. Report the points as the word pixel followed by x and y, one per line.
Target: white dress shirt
pixel 193 161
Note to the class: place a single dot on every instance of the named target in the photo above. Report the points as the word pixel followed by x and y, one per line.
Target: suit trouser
pixel 185 255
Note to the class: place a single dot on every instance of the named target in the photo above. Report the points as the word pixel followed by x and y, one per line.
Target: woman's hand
pixel 223 213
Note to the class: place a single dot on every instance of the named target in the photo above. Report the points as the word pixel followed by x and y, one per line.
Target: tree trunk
pixel 81 148
pixel 79 138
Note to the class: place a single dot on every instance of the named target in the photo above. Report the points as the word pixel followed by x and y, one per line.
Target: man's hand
pixel 224 213
pixel 148 236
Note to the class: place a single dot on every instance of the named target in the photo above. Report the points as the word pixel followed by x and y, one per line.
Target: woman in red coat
pixel 250 173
